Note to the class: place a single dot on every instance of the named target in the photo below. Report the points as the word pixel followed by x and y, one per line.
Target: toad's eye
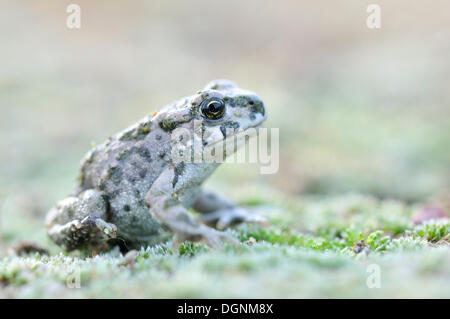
pixel 213 109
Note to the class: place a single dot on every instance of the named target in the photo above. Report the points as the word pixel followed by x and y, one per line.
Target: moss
pixel 319 247
pixel 434 231
pixel 191 249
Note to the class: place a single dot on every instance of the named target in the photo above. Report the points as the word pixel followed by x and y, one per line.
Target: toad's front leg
pixel 221 213
pixel 166 207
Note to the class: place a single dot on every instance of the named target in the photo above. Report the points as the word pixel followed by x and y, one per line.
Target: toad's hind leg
pixel 79 222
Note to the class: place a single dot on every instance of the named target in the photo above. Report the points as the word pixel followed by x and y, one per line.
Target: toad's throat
pixel 240 137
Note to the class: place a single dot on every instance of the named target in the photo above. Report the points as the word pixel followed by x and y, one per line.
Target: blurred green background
pixel 359 110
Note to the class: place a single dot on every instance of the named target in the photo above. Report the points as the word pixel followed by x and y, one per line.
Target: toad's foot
pixel 91 231
pixel 226 217
pixel 79 222
pixel 220 212
pixel 92 226
pixel 211 237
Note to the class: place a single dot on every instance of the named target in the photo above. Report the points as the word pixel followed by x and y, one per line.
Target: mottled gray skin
pixel 130 190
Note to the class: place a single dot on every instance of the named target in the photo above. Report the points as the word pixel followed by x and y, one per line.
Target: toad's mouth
pixel 239 134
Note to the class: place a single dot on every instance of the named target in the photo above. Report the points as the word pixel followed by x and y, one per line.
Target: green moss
pixel 309 252
pixel 191 249
pixel 434 231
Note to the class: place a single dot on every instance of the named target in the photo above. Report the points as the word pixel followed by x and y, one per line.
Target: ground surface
pixel 309 251
pixel 364 124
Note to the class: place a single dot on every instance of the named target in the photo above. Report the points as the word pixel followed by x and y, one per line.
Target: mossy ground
pixel 364 123
pixel 308 251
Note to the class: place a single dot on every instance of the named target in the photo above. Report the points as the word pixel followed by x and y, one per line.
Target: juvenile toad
pixel 131 188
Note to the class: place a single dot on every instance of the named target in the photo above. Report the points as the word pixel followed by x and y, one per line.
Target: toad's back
pixel 124 168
